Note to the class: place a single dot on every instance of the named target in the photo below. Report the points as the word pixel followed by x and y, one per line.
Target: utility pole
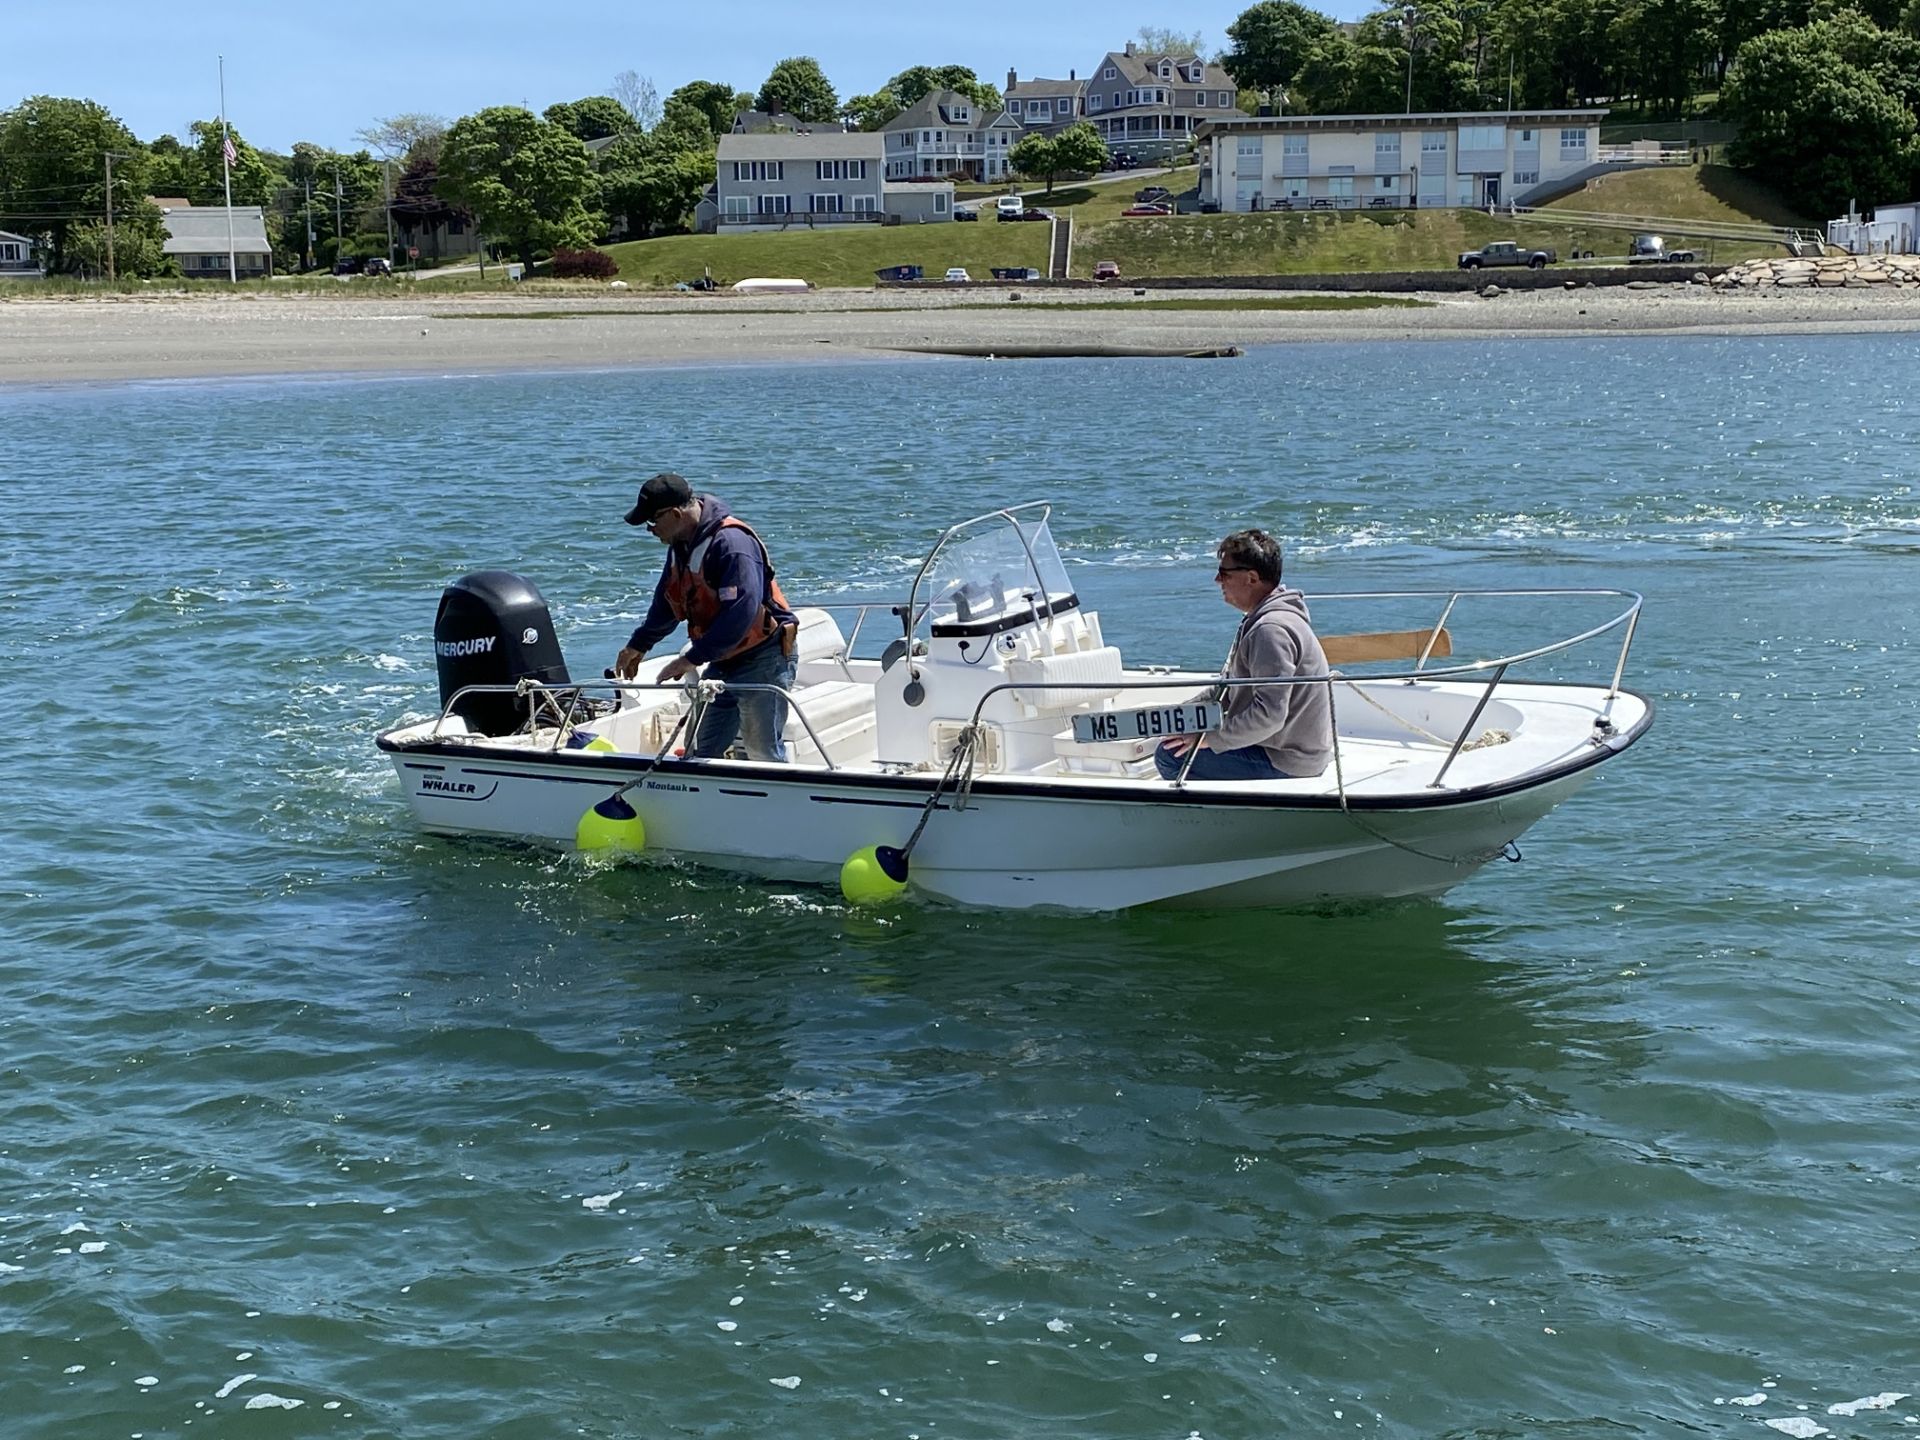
pixel 337 236
pixel 1411 15
pixel 386 195
pixel 111 157
pixel 309 214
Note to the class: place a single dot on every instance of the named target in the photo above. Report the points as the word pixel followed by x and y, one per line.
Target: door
pixel 1490 190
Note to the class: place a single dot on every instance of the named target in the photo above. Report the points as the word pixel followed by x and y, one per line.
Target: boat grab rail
pixel 1628 618
pixel 701 692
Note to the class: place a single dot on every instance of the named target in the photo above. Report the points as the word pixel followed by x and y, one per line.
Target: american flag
pixel 233 155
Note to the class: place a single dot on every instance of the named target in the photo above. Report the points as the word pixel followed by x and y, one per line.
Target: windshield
pixel 1003 567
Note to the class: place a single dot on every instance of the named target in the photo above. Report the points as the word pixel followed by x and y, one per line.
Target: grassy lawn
pixel 841 257
pixel 1260 302
pixel 1684 192
pixel 1348 240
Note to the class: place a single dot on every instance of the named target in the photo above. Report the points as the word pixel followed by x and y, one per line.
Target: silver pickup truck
pixel 1506 252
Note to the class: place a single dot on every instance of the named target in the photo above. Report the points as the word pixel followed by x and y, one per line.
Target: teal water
pixel 442 1139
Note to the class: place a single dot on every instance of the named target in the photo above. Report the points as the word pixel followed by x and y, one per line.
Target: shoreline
pixel 67 340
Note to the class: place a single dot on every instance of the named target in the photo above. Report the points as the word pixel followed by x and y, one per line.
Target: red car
pixel 1106 269
pixel 1148 210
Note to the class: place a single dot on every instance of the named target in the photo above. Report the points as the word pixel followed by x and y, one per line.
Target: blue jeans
pixel 758 717
pixel 1247 763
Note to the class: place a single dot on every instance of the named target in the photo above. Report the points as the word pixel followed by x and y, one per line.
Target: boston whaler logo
pixel 443 788
pixel 455 649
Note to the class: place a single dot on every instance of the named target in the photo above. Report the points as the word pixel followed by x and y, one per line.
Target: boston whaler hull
pixel 968 761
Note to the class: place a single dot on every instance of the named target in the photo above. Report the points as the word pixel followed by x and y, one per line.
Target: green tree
pixel 652 184
pixel 1076 148
pixel 1271 41
pixel 405 137
pixel 594 118
pixel 255 181
pixel 716 105
pixel 871 112
pixel 799 87
pixel 916 82
pixel 53 171
pixel 136 246
pixel 524 181
pixel 1818 118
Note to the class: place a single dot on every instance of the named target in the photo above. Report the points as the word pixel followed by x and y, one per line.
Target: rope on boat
pixel 1340 781
pixel 959 774
pixel 1489 736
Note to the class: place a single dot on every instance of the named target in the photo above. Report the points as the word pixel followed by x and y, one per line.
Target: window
pixel 1340 186
pixel 1250 148
pixel 1093 102
pixel 773 204
pixel 1483 137
pixel 1385 184
pixel 864 204
pixel 961 115
pixel 758 169
pixel 1166 70
pixel 839 169
pixel 1108 73
pixel 1036 107
pixel 1063 106
pixel 1200 100
pixel 940 202
pixel 1226 98
pixel 1433 144
pixel 9 251
pixel 1526 177
pixel 824 204
pixel 1116 99
pixel 1573 144
pixel 1529 138
pixel 1197 74
pixel 1386 147
pixel 1133 97
pixel 1295 145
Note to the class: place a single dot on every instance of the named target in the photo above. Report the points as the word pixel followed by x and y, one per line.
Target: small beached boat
pixel 770 286
pixel 998 752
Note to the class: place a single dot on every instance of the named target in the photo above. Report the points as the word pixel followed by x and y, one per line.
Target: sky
pixel 322 72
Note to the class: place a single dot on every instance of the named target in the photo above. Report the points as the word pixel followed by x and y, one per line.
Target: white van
pixel 1008 207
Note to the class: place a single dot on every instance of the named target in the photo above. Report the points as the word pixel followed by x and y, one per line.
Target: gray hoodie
pixel 1292 723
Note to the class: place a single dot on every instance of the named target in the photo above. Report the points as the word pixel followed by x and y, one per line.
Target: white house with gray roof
pixel 1044 107
pixel 197 241
pixel 16 258
pixel 944 134
pixel 1346 162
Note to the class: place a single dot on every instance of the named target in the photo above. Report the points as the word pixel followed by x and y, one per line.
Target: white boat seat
pixel 827 705
pixel 819 638
pixel 1099 670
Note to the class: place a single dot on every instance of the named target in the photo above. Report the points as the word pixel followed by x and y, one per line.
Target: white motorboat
pixel 1000 753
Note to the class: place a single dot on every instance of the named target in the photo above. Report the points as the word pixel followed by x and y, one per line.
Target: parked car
pixel 1015 272
pixel 347 265
pixel 1148 210
pixel 1032 212
pixel 1008 207
pixel 1506 252
pixel 965 212
pixel 1652 250
pixel 1152 194
pixel 899 272
pixel 957 275
pixel 1106 269
pixel 378 265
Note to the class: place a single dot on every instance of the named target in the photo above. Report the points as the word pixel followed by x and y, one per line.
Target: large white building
pixel 1344 162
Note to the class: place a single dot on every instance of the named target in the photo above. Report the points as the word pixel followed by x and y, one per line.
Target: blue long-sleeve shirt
pixel 732 565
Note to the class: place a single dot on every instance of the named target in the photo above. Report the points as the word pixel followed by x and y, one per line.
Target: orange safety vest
pixel 696 602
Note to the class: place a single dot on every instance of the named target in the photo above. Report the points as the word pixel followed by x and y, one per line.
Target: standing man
pixel 719 579
pixel 1267 732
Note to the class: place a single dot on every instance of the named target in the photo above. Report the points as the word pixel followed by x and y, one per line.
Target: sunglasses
pixel 1226 570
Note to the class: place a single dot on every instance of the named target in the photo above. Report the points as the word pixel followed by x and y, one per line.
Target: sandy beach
pixel 65 340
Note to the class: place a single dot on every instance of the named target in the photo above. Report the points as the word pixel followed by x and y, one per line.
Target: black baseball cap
pixel 665 491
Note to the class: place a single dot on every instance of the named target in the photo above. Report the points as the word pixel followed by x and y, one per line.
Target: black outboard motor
pixel 493 629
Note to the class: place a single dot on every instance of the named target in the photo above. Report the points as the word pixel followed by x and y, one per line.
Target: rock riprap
pixel 1851 272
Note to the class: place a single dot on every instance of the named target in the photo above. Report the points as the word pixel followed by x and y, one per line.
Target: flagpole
pixel 226 172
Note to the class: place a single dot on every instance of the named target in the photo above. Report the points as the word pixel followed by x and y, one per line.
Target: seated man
pixel 1267 732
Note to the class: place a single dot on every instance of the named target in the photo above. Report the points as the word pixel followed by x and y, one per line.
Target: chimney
pixel 1265 111
pixel 1013 77
pixel 1129 48
pixel 1072 75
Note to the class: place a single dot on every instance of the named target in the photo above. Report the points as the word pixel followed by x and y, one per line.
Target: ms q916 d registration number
pixel 1154 723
